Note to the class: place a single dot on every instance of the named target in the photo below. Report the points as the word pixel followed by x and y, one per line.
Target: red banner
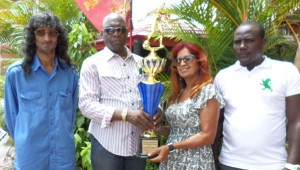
pixel 96 10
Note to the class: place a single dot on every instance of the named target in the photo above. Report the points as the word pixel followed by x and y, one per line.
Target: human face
pixel 115 34
pixel 46 40
pixel 248 46
pixel 189 68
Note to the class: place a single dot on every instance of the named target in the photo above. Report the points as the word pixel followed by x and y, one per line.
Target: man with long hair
pixel 40 98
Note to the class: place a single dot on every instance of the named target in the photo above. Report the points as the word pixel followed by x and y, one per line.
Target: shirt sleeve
pixel 10 104
pixel 89 96
pixel 208 92
pixel 292 80
pixel 75 94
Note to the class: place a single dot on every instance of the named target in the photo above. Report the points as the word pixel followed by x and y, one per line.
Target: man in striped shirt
pixel 110 98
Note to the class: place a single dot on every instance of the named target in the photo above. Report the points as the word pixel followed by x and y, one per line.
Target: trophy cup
pixel 151 90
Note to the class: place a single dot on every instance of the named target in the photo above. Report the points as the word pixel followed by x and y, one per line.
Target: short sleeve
pixel 292 80
pixel 209 91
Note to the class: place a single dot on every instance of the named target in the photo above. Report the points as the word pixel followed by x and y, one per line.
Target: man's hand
pixel 140 118
pixel 158 117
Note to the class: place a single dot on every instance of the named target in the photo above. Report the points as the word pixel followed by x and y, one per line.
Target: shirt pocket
pixel 31 101
pixel 65 109
pixel 65 99
pixel 112 84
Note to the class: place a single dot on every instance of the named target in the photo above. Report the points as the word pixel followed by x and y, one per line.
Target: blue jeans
pixel 104 160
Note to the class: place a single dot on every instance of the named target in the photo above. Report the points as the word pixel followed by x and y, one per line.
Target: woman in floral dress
pixel 192 112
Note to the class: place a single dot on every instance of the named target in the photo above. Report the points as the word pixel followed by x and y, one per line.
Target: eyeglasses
pixel 51 33
pixel 187 59
pixel 112 30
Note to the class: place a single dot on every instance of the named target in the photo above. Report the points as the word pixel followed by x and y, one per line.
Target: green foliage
pixel 218 19
pixel 82 143
pixel 12 23
pixel 86 156
pixel 80 43
pixel 151 165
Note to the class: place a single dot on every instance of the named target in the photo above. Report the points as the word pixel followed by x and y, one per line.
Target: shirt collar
pixel 109 54
pixel 36 64
pixel 265 64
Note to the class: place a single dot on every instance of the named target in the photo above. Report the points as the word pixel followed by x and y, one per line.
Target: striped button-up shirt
pixel 108 82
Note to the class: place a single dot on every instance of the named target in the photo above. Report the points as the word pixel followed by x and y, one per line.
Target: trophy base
pixel 147 145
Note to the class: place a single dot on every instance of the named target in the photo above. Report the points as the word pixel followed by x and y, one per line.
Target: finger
pixel 158 119
pixel 155 159
pixel 141 122
pixel 135 120
pixel 159 114
pixel 154 156
pixel 147 116
pixel 147 121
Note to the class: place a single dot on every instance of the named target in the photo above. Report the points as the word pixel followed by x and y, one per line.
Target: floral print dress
pixel 184 122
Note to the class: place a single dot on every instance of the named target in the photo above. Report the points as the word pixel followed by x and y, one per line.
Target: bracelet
pixel 171 147
pixel 124 114
pixel 292 166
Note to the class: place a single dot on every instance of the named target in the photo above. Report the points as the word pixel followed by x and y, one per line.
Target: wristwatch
pixel 292 166
pixel 171 147
pixel 124 114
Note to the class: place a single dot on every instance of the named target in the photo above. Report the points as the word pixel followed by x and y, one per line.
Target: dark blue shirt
pixel 40 110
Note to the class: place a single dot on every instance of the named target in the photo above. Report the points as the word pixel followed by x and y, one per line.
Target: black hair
pixel 29 47
pixel 261 29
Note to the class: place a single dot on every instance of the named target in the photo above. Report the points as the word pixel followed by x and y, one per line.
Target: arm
pixel 11 105
pixel 89 95
pixel 91 107
pixel 209 121
pixel 293 133
pixel 216 146
pixel 74 97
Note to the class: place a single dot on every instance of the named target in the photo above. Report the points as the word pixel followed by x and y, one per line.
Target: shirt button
pixel 124 64
pixel 128 77
pixel 132 132
pixel 132 104
pixel 130 91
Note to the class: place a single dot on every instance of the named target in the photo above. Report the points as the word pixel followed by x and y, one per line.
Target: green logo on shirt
pixel 266 84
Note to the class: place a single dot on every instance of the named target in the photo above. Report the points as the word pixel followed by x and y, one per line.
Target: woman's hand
pixel 161 152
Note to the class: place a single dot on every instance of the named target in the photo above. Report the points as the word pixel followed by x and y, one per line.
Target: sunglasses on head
pixel 42 32
pixel 187 59
pixel 112 30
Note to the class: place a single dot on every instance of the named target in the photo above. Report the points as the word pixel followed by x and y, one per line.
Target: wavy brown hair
pixel 177 83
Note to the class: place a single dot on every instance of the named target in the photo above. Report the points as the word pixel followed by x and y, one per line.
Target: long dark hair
pixel 29 47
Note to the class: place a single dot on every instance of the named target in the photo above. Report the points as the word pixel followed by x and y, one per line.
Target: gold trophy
pixel 151 90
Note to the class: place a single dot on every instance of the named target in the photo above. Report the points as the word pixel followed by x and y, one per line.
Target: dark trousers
pixel 104 160
pixel 224 167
